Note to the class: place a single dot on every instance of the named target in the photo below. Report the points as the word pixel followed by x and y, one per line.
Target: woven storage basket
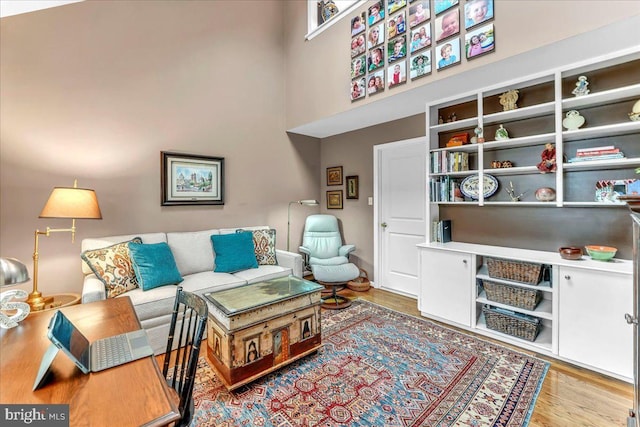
pixel 512 295
pixel 518 271
pixel 360 283
pixel 521 326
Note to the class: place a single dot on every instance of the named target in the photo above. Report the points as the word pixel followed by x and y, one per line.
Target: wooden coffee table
pixel 255 329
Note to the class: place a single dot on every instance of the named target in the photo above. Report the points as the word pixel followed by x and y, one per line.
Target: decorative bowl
pixel 570 252
pixel 601 253
pixel 545 194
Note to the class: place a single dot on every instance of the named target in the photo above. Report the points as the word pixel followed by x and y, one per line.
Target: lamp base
pixel 37 302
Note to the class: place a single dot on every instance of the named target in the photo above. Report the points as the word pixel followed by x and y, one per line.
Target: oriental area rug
pixel 378 367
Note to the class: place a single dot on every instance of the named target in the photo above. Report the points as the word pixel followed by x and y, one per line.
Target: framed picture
pixel 440 6
pixel 334 199
pixel 397 49
pixel 357 66
pixel 190 179
pixel 358 45
pixel 418 13
pixel 448 53
pixel 375 84
pixel 420 65
pixel 393 5
pixel 476 12
pixel 397 74
pixel 358 24
pixel 420 38
pixel 375 36
pixel 352 187
pixel 376 12
pixel 401 23
pixel 448 25
pixel 334 175
pixel 358 88
pixel 479 41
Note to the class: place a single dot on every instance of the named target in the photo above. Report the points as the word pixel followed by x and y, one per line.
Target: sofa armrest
pixel 345 250
pixel 290 260
pixel 93 289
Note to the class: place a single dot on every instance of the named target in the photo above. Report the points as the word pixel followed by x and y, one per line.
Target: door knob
pixel 567 277
pixel 383 225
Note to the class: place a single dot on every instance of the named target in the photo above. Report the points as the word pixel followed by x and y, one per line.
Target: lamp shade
pixel 70 202
pixel 309 202
pixel 12 272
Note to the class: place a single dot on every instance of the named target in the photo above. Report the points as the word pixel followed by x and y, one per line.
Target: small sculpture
pixel 501 134
pixel 508 100
pixel 440 120
pixel 634 115
pixel 581 86
pixel 548 163
pixel 573 120
pixel 511 191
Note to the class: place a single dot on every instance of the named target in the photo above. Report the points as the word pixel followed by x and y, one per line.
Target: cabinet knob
pixel 567 277
pixel 464 261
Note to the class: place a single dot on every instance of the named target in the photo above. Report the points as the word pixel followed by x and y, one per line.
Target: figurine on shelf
pixel 501 134
pixel 440 120
pixel 581 86
pixel 548 163
pixel 508 100
pixel 511 191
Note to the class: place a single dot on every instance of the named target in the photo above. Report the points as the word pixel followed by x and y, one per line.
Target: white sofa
pixel 195 259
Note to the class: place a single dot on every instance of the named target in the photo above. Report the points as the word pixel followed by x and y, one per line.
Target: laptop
pixel 91 357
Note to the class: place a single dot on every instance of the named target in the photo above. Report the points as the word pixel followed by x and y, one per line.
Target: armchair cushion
pixel 336 260
pixel 154 265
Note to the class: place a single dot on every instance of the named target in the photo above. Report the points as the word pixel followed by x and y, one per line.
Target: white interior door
pixel 400 207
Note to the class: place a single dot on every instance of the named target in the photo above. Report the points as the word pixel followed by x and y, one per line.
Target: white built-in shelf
pixel 542 310
pixel 522 204
pixel 542 341
pixel 520 113
pixel 483 273
pixel 465 148
pixel 606 97
pixel 524 141
pixel 455 174
pixel 593 204
pixel 601 131
pixel 458 124
pixel 518 170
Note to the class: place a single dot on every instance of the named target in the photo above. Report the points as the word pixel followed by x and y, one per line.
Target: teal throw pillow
pixel 154 265
pixel 234 252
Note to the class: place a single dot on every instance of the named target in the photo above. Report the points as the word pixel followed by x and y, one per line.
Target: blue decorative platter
pixel 470 186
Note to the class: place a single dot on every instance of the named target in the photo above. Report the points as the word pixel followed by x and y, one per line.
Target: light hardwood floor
pixel 571 396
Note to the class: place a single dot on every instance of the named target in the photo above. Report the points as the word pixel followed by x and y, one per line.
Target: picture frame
pixel 420 65
pixel 375 59
pixel 358 24
pixel 334 199
pixel 358 88
pixel 353 189
pixel 358 45
pixel 375 84
pixel 479 41
pixel 476 12
pixel 420 38
pixel 358 66
pixel 191 179
pixel 375 36
pixel 395 5
pixel 334 175
pixel 447 24
pixel 397 49
pixel 440 6
pixel 397 74
pixel 419 12
pixel 375 12
pixel 452 57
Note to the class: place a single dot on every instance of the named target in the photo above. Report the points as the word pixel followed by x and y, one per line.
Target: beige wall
pixel 95 90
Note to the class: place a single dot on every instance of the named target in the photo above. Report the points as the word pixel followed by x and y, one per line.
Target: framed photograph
pixel 376 12
pixel 358 24
pixel 418 13
pixel 334 199
pixel 357 66
pixel 420 65
pixel 190 179
pixel 334 175
pixel 358 88
pixel 352 187
pixel 375 59
pixel 447 25
pixel 420 38
pixel 358 45
pixel 476 12
pixel 397 74
pixel 401 23
pixel 448 53
pixel 375 36
pixel 393 5
pixel 396 49
pixel 440 6
pixel 479 41
pixel 375 84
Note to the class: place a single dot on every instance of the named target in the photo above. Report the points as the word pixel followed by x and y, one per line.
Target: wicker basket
pixel 520 325
pixel 518 271
pixel 360 283
pixel 512 295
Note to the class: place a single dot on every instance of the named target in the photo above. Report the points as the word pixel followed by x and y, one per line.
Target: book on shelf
pixel 597 152
pixel 604 147
pixel 445 161
pixel 444 189
pixel 441 231
pixel 598 157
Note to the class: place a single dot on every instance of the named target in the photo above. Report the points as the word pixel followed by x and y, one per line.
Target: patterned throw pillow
pixel 112 265
pixel 264 242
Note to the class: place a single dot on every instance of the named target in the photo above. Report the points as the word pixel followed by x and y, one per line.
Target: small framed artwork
pixel 358 45
pixel 440 6
pixel 375 59
pixel 480 41
pixel 375 84
pixel 334 175
pixel 358 24
pixel 476 12
pixel 448 53
pixel 397 49
pixel 420 38
pixel 334 199
pixel 420 65
pixel 375 36
pixel 357 66
pixel 397 74
pixel 418 13
pixel 358 88
pixel 394 5
pixel 252 349
pixel 447 25
pixel 306 328
pixel 401 23
pixel 190 179
pixel 376 12
pixel 352 187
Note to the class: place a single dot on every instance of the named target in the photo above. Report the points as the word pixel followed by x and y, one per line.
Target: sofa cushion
pixel 154 265
pixel 112 266
pixel 234 252
pixel 192 251
pixel 262 273
pixel 264 242
pixel 103 242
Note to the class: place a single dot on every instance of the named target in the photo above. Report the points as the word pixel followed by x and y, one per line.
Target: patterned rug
pixel 379 367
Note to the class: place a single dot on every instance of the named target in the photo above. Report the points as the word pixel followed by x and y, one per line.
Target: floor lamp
pixel 64 202
pixel 12 272
pixel 309 202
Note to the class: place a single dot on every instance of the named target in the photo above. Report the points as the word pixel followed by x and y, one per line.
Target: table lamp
pixel 309 202
pixel 12 272
pixel 63 202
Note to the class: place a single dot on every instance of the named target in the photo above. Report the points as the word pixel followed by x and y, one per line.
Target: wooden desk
pixel 132 394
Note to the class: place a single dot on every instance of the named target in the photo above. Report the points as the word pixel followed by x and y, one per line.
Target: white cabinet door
pixel 445 280
pixel 592 327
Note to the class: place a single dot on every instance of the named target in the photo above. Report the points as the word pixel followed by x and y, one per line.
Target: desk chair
pixel 179 368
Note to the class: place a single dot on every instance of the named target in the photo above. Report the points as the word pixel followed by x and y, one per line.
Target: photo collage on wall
pixel 394 41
